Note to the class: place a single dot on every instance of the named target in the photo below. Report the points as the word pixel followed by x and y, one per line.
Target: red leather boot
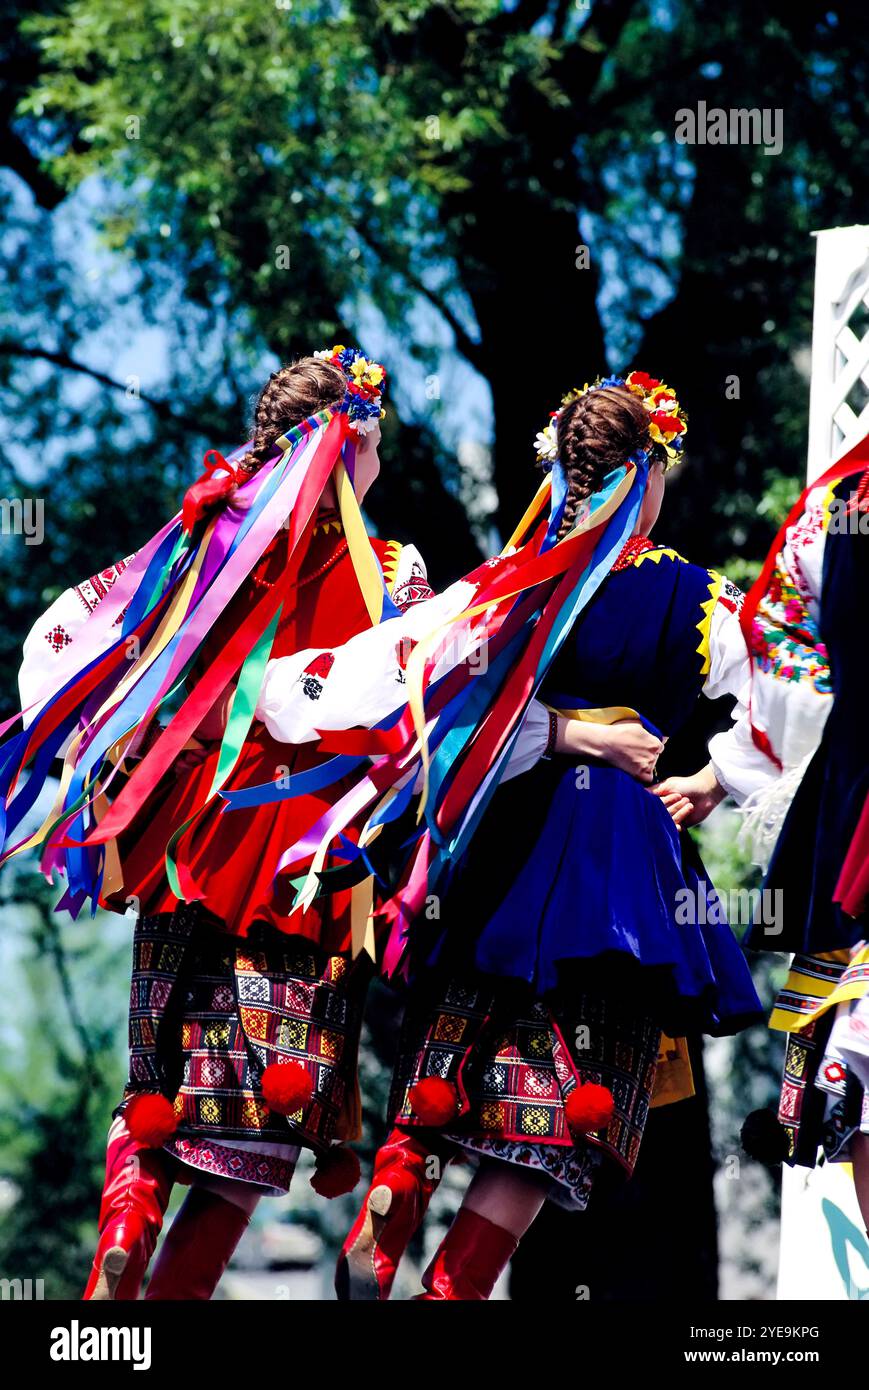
pixel 197 1248
pixel 396 1202
pixel 135 1197
pixel 471 1257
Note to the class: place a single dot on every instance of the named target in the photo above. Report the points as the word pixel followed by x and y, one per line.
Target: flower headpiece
pixel 668 422
pixel 365 383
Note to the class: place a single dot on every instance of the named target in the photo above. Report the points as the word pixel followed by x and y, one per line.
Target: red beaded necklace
pixel 337 553
pixel 340 549
pixel 630 550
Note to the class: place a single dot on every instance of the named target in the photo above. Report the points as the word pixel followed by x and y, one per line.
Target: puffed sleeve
pixel 51 632
pixel 55 630
pixel 361 683
pixel 739 765
pixel 531 743
pixel 357 684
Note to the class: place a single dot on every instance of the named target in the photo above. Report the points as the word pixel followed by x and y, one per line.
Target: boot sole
pixel 113 1265
pixel 357 1278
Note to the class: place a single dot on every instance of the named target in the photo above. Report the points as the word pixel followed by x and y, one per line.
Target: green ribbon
pixel 237 728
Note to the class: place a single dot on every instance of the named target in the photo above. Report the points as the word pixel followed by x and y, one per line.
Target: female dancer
pixel 576 925
pixel 245 1013
pixel 225 985
pixel 811 818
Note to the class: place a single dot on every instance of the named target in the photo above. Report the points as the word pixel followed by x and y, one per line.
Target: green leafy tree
pixel 397 151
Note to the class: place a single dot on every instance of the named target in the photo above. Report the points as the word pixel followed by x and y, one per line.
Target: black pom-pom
pixel 764 1138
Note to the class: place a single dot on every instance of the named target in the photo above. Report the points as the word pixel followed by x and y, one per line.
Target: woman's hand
pixel 678 805
pixel 627 744
pixel 690 800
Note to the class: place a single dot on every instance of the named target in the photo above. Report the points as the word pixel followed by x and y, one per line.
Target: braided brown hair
pixel 596 433
pixel 289 396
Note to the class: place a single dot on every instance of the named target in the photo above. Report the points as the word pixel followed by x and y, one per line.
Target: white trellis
pixel 839 400
pixel 824 1253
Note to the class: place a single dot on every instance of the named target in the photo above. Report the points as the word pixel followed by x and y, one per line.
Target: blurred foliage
pixel 404 150
pixel 61 1072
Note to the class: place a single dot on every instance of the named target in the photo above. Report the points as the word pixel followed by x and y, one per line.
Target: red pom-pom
pixel 286 1087
pixel 337 1172
pixel 434 1100
pixel 151 1120
pixel 589 1107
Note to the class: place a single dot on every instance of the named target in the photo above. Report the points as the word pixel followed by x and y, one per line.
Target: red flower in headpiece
pixel 667 424
pixel 643 379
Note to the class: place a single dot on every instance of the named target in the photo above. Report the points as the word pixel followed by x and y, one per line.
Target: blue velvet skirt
pixel 578 878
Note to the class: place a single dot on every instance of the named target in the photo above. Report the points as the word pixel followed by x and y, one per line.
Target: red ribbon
pixel 363 742
pixel 852 888
pixel 203 495
pixel 501 718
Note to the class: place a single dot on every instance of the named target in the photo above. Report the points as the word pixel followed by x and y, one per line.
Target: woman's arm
pixel 357 684
pixel 53 632
pixel 626 744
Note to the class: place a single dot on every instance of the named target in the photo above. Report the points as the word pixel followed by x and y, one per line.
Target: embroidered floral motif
pixel 316 673
pixel 785 641
pixel 833 1072
pixel 804 534
pixel 731 596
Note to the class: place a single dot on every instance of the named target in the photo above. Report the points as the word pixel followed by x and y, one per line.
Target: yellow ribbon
pixel 609 714
pixel 674 1079
pixel 362 917
pixel 532 511
pixel 364 560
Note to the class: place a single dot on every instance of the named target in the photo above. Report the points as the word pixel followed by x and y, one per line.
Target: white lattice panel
pixel 839 401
